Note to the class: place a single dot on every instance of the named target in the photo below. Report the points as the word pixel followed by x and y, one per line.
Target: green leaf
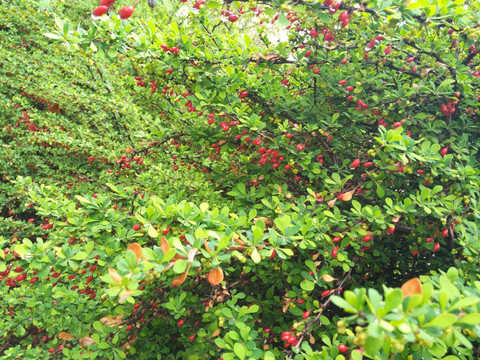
pixel 469 319
pixel 213 4
pixel 180 266
pixel 380 191
pixel 393 299
pixel 52 36
pixel 239 350
pixel 269 356
pixel 256 256
pixel 443 320
pixel 282 19
pixel 342 303
pixel 152 232
pixel 307 285
pixel 80 256
pixel 373 344
pixel 97 325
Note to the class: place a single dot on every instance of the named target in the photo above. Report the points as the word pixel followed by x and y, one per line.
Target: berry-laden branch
pixel 338 290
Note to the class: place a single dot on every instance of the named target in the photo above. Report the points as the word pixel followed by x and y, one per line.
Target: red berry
pixel 368 164
pixel 445 232
pixel 306 314
pixel 180 322
pixel 343 16
pixel 342 348
pixel 292 340
pixel 367 238
pixel 325 293
pixel 107 2
pixel 274 252
pixel 288 136
pixel 129 327
pixel 99 11
pixel 355 163
pixel 336 239
pixel 436 247
pixel 126 12
pixel 391 229
pixel 334 252
pixel 233 18
pixel 300 301
pixel 444 151
pixel 428 240
pixel 136 227
pixel 415 253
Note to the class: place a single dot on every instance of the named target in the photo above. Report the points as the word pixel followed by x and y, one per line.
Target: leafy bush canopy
pixel 240 180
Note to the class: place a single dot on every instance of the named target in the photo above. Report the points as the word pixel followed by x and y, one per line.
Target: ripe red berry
pixel 306 314
pixel 336 239
pixel 436 247
pixel 334 252
pixel 274 252
pixel 126 12
pixel 233 18
pixel 136 227
pixel 391 229
pixel 367 238
pixel 428 240
pixel 368 164
pixel 444 151
pixel 180 322
pixel 288 136
pixel 445 232
pixel 99 11
pixel 107 2
pixel 292 340
pixel 415 253
pixel 325 293
pixel 342 348
pixel 129 327
pixel 355 163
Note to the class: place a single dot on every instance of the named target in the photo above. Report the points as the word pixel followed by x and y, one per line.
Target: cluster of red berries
pixel 290 340
pixel 105 5
pixel 449 108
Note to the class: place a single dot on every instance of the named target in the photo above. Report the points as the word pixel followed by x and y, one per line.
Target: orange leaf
pixel 86 341
pixel 215 276
pixel 65 336
pixel 347 196
pixel 55 108
pixel 114 275
pixel 216 332
pixel 412 287
pixel 206 246
pixel 164 245
pixel 125 296
pixel 191 254
pixel 112 320
pixel 137 249
pixel 331 203
pixel 328 278
pixel 181 279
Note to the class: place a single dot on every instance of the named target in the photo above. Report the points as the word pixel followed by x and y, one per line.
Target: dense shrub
pixel 240 180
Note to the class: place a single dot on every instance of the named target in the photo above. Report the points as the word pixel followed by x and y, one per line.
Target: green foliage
pixel 184 184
